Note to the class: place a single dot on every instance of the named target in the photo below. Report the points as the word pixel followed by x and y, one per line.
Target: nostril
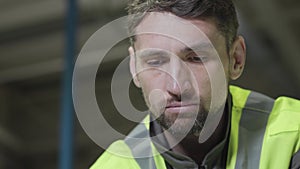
pixel 175 96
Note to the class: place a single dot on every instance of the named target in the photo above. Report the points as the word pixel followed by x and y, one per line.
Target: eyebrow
pixel 151 52
pixel 198 47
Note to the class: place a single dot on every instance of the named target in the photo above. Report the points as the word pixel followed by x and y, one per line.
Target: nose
pixel 179 79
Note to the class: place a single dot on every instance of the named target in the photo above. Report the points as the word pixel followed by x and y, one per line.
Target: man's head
pixel 183 61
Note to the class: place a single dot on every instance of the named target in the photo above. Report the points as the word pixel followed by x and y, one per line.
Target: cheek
pixel 151 82
pixel 202 78
pixel 210 77
pixel 224 58
pixel 153 92
pixel 218 84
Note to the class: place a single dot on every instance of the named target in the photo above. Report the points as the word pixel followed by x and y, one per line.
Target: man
pixel 183 56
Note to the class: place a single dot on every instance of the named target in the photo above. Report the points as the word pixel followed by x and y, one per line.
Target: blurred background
pixel 33 46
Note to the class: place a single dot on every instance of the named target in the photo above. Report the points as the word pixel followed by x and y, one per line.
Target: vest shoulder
pixel 244 98
pixel 118 155
pixel 250 100
pixel 285 116
pixel 287 104
pixel 239 96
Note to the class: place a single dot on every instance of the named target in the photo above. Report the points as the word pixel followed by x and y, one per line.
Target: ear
pixel 132 66
pixel 237 58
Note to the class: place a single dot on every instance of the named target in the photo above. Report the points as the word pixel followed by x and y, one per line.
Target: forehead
pixel 165 30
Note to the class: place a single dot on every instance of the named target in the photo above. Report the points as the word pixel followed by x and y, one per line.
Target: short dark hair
pixel 222 11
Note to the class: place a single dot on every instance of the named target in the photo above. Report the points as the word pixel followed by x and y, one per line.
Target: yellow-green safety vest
pixel 264 134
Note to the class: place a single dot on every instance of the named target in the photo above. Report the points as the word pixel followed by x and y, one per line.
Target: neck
pixel 191 147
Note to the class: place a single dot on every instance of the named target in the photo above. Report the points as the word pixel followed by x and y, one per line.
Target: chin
pixel 178 126
pixel 182 126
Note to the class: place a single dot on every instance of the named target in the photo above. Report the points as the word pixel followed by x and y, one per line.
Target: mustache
pixel 183 100
pixel 185 95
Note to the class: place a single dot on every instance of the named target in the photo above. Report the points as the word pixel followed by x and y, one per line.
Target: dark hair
pixel 222 11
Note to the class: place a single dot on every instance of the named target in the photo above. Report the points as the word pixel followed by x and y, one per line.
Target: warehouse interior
pixel 32 50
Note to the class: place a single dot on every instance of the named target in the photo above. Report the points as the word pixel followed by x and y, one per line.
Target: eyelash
pixel 154 62
pixel 197 59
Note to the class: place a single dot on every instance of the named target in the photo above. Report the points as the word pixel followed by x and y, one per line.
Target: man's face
pixel 180 64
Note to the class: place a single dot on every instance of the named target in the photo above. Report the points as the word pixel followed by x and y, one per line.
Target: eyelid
pixel 156 61
pixel 199 58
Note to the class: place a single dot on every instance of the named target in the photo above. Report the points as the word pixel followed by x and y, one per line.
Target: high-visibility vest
pixel 264 134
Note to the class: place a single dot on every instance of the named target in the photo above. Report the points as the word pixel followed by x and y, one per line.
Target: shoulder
pixel 286 104
pixel 248 99
pixel 281 115
pixel 285 116
pixel 117 155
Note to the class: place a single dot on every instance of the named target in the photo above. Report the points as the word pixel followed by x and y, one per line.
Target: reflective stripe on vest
pixel 139 142
pixel 252 129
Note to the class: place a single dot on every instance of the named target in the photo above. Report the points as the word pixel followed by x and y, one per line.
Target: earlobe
pixel 132 66
pixel 237 58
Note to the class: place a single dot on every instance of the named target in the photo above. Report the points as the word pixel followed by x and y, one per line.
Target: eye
pixel 197 59
pixel 155 62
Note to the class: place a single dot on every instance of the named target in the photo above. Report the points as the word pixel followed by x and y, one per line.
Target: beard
pixel 181 125
pixel 178 124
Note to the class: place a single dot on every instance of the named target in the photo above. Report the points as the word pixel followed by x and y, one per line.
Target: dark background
pixel 32 45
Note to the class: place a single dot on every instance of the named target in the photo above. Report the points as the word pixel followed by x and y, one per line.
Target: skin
pixel 177 66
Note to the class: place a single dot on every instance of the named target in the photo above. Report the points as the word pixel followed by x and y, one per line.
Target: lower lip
pixel 183 109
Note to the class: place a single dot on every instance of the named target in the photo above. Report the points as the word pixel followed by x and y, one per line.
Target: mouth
pixel 182 108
